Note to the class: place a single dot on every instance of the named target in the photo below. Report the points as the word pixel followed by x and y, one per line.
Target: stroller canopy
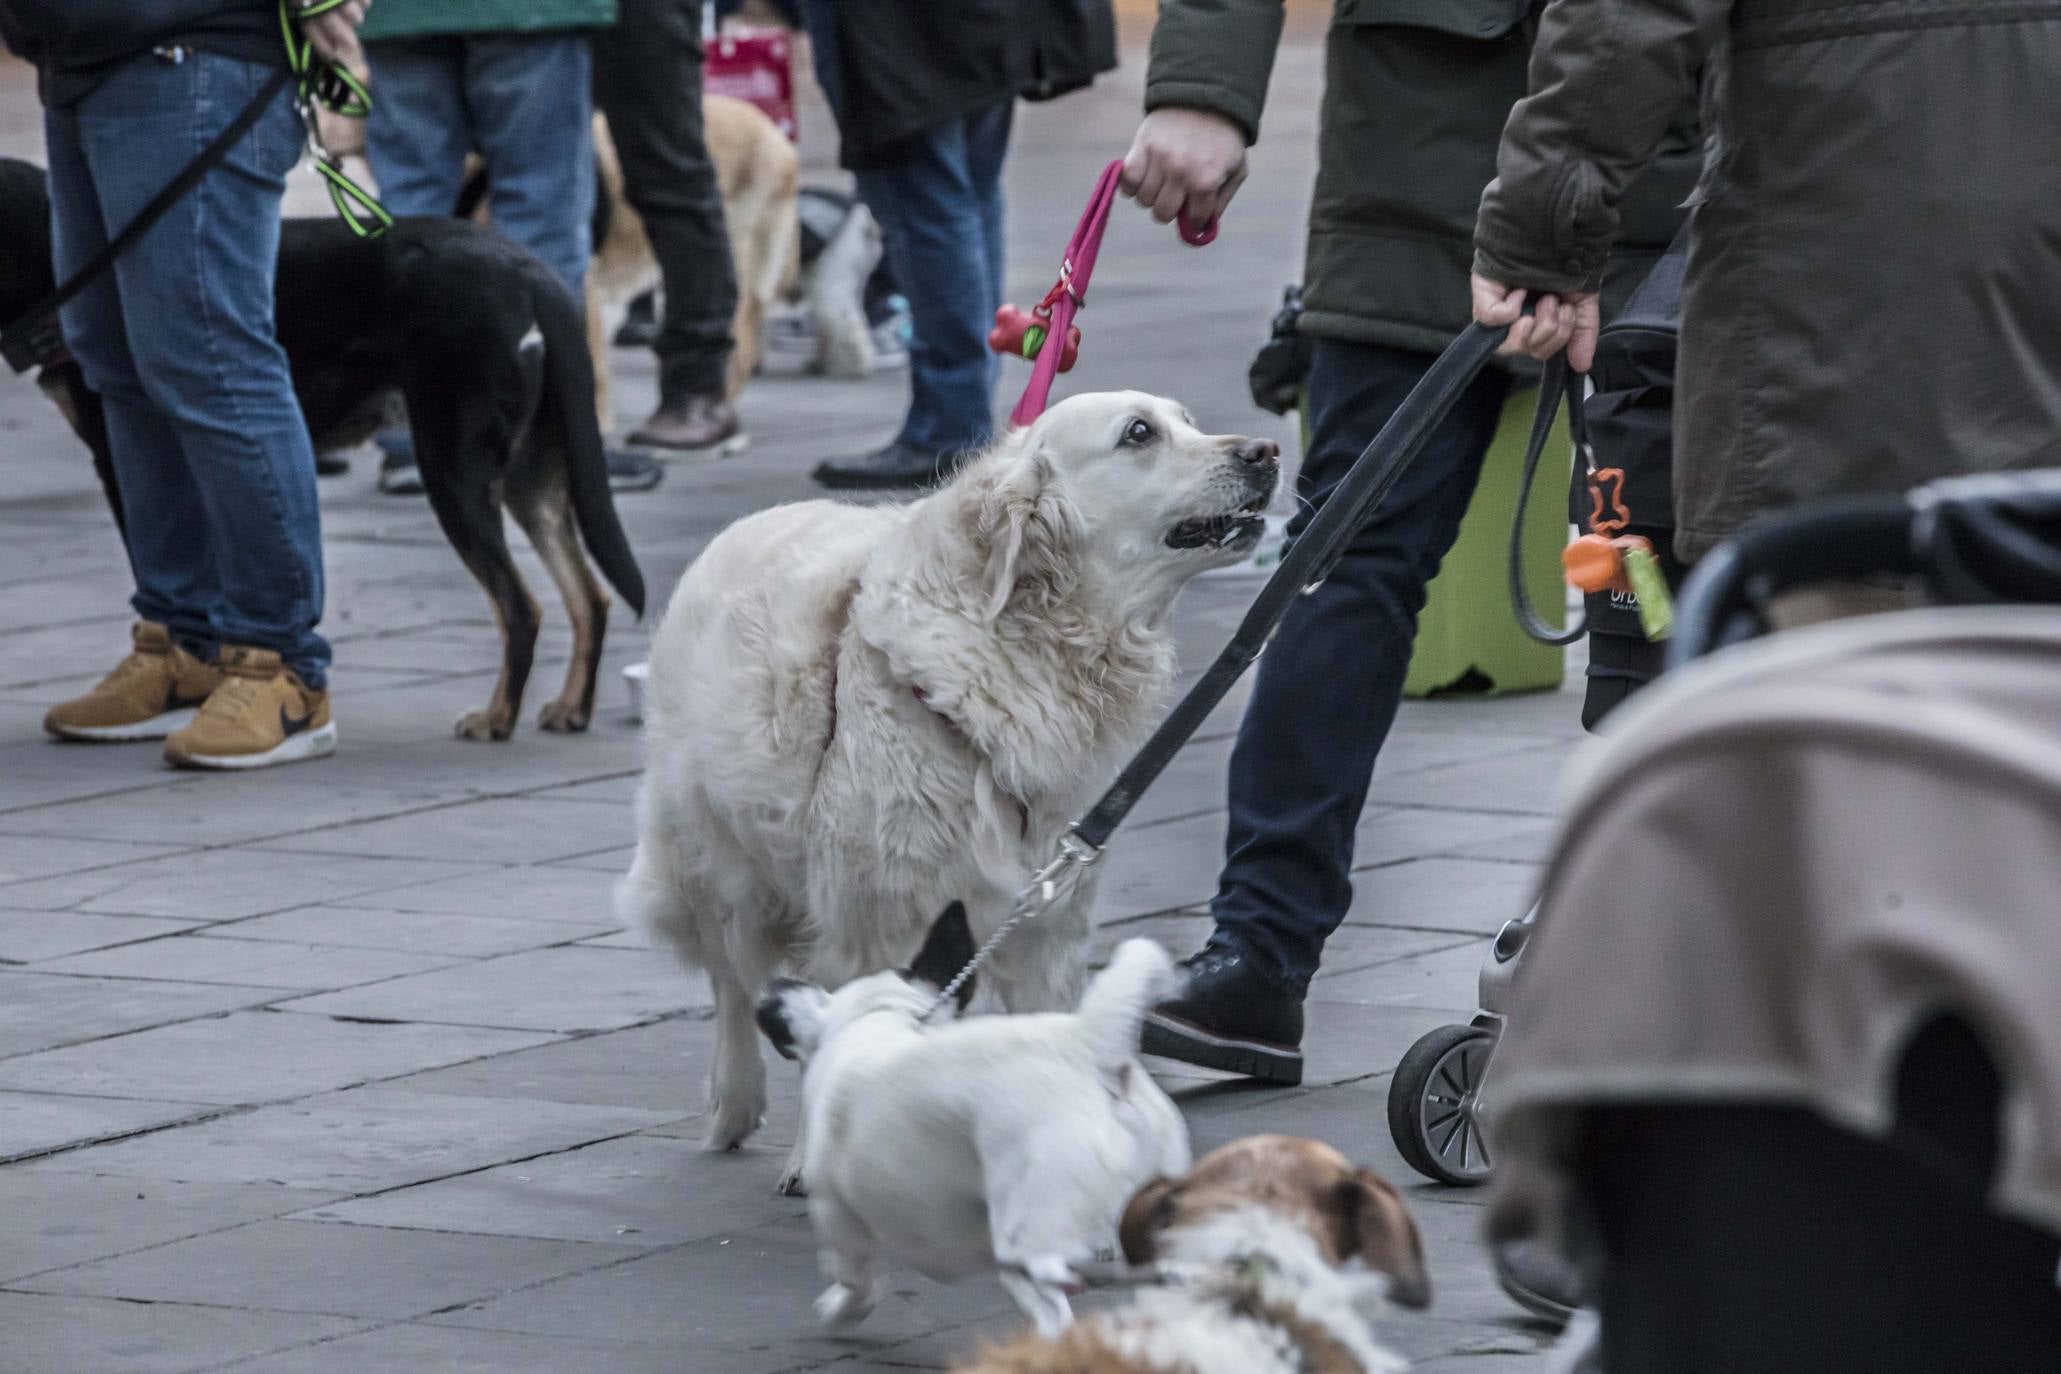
pixel 1781 862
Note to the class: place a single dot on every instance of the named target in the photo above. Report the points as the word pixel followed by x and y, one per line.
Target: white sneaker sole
pixel 157 727
pixel 309 744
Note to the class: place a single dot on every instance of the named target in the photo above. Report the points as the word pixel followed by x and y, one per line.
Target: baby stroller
pixel 1628 428
pixel 1788 1085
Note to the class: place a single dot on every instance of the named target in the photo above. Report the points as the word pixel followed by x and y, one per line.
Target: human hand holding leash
pixel 1184 163
pixel 1569 321
pixel 334 33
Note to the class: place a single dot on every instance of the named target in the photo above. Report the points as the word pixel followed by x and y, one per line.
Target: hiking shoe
pixel 1229 1015
pixel 155 690
pixel 897 467
pixel 262 714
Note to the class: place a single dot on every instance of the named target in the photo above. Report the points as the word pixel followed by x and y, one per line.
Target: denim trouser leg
pixel 523 102
pixel 940 213
pixel 209 448
pixel 1330 681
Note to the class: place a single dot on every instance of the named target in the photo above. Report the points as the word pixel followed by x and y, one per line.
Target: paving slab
pixel 23 857
pixel 35 1123
pixel 543 894
pixel 416 932
pixel 355 1142
pixel 232 810
pixel 254 1056
pixel 62 1335
pixel 27 936
pixel 57 1220
pixel 39 1011
pixel 503 829
pixel 448 1350
pixel 206 958
pixel 639 1191
pixel 347 1271
pixel 1471 896
pixel 752 1287
pixel 223 884
pixel 661 1066
pixel 560 989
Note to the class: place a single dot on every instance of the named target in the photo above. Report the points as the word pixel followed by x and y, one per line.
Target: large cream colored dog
pixel 856 715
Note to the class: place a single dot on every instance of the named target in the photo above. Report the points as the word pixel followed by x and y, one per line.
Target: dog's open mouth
pixel 1238 529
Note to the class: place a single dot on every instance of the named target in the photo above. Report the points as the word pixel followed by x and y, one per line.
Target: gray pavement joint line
pixel 203 1115
pixel 302 1205
pixel 252 1005
pixel 143 785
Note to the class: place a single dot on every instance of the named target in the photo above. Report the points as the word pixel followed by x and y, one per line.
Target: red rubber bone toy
pixel 1024 333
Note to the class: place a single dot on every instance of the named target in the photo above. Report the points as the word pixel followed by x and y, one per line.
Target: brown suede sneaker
pixel 262 714
pixel 155 690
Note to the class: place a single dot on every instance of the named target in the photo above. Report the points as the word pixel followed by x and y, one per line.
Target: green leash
pixel 330 86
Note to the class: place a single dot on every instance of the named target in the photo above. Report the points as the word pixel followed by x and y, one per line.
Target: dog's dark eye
pixel 1137 434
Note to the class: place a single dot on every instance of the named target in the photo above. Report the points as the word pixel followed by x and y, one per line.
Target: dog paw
pixel 485 725
pixel 792 1184
pixel 732 1125
pixel 841 1305
pixel 562 718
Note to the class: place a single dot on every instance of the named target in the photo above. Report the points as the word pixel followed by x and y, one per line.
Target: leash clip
pixel 1033 901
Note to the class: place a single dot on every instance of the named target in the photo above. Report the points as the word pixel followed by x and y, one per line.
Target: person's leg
pixel 647 80
pixel 987 148
pixel 197 305
pixel 532 102
pixel 420 129
pixel 176 585
pixel 935 226
pixel 1323 700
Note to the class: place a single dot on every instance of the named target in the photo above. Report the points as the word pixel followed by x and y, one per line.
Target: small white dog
pixel 1274 1252
pixel 1010 1141
pixel 856 715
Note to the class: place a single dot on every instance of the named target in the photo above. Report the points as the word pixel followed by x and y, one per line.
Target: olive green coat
pixel 1416 94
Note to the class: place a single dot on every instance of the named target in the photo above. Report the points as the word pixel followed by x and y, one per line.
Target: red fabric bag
pixel 752 64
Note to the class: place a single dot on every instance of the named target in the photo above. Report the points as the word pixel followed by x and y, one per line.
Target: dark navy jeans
pixel 940 214
pixel 210 452
pixel 1331 679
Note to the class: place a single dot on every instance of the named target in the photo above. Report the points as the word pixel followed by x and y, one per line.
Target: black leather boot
pixel 1230 1014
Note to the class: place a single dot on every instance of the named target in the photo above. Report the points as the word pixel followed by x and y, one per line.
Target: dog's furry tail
pixel 1112 1014
pixel 569 387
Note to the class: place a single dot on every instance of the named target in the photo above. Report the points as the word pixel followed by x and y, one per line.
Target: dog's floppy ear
pixel 1368 1219
pixel 790 1015
pixel 1023 523
pixel 1150 1211
pixel 946 950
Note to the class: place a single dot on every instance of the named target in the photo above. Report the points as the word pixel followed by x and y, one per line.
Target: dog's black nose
pixel 1258 453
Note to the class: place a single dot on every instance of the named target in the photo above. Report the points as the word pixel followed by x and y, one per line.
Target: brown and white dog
pixel 1273 1250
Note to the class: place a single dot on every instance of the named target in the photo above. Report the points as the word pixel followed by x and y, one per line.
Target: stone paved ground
pixel 350 1068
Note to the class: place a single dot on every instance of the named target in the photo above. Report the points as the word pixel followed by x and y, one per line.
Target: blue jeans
pixel 940 213
pixel 1331 679
pixel 521 101
pixel 209 448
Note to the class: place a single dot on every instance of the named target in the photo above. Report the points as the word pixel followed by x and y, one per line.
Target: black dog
pixel 489 353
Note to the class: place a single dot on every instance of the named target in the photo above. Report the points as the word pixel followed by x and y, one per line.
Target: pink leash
pixel 1025 333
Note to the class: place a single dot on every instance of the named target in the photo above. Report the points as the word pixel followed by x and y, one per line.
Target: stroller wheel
pixel 1432 1105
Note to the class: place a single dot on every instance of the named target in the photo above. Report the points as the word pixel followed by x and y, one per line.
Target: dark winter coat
pixel 1415 96
pixel 1873 295
pixel 74 43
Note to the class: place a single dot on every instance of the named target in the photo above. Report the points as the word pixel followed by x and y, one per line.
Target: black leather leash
pixel 1308 561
